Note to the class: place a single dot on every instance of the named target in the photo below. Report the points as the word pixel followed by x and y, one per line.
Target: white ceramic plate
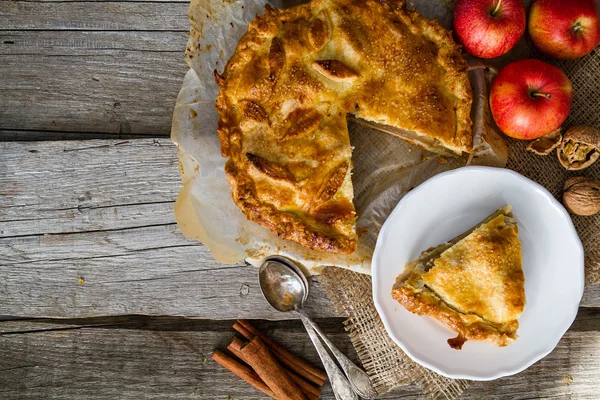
pixel 444 207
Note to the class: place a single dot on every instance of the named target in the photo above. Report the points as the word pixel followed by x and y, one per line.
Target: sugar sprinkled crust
pixel 287 89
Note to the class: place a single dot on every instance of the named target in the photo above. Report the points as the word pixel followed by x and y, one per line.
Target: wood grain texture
pixel 78 186
pixel 169 358
pixel 100 1
pixel 89 15
pixel 117 83
pixel 165 360
pixel 87 229
pixel 16 135
pixel 178 280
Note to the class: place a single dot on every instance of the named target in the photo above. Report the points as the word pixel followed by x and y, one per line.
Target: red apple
pixel 530 98
pixel 489 28
pixel 564 29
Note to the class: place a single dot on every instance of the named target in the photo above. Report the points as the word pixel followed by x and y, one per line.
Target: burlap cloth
pixel 351 294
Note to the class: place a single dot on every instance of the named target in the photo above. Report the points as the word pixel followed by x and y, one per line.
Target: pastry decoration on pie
pixel 473 284
pixel 295 76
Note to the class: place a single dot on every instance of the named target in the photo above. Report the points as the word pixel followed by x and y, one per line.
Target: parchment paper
pixel 385 167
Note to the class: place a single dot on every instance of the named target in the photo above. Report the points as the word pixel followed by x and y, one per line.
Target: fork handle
pixel 339 384
pixel 358 379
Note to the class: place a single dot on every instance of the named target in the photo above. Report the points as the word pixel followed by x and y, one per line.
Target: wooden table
pixel 101 296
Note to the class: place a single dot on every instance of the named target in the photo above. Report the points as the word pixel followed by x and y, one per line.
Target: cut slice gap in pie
pixel 473 284
pixel 297 74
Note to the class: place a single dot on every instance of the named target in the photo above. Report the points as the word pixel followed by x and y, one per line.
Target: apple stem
pixel 538 94
pixel 497 8
pixel 577 27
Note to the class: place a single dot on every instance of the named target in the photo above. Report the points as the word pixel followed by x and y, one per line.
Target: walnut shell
pixel 581 196
pixel 544 145
pixel 580 147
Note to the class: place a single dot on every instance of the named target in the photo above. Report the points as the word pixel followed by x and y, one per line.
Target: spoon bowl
pixel 283 287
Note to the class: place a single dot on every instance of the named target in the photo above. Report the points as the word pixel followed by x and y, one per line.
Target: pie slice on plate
pixel 295 76
pixel 473 284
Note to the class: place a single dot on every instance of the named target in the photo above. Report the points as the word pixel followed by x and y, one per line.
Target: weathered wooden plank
pixel 108 82
pixel 99 1
pixel 53 43
pixel 591 297
pixel 276 3
pixel 101 211
pixel 78 186
pixel 150 270
pixel 166 361
pixel 78 247
pixel 15 135
pixel 88 16
pixel 588 320
pixel 171 280
pixel 165 358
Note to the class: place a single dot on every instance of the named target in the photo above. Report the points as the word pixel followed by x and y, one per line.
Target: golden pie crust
pixel 473 285
pixel 292 80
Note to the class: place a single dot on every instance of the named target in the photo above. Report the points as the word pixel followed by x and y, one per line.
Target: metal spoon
pixel 358 379
pixel 285 290
pixel 285 287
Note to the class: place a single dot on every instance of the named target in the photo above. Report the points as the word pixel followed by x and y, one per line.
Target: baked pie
pixel 295 76
pixel 473 284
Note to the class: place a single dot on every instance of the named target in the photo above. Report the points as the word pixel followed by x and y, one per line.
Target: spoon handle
pixel 358 379
pixel 339 384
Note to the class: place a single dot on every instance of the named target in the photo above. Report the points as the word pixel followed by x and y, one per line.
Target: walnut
pixel 544 145
pixel 580 147
pixel 581 196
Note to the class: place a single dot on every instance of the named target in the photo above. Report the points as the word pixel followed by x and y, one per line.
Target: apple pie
pixel 473 284
pixel 295 76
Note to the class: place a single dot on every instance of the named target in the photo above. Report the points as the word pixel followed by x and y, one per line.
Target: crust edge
pixel 286 225
pixel 423 304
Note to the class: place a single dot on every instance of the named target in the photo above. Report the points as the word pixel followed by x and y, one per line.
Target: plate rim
pixel 494 170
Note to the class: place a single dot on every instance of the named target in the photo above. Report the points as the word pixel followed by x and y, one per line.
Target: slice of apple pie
pixel 473 284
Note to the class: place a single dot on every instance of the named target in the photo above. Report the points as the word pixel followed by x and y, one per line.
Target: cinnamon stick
pixel 236 346
pixel 243 331
pixel 258 356
pixel 287 358
pixel 311 392
pixel 242 371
